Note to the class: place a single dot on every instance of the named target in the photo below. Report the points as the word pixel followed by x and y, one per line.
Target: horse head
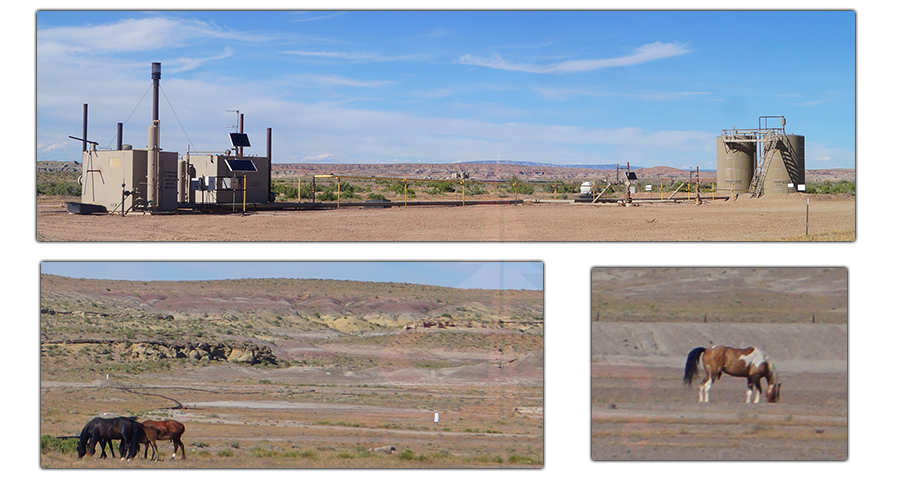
pixel 773 393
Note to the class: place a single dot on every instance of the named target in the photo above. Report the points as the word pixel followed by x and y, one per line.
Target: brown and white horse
pixel 749 362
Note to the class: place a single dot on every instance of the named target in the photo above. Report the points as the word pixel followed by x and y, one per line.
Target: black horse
pixel 104 430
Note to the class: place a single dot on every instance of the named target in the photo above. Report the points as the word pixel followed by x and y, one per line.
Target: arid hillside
pixel 268 312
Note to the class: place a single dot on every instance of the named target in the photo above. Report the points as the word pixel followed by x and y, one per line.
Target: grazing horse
pixel 90 436
pixel 104 430
pixel 167 430
pixel 147 438
pixel 749 362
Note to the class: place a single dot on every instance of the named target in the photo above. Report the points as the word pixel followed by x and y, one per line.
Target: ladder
pixel 759 178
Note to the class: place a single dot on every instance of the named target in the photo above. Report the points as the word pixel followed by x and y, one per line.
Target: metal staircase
pixel 759 177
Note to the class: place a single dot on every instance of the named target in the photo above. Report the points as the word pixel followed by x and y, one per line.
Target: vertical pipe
pixel 241 148
pixel 152 164
pixel 269 193
pixel 119 136
pixel 153 141
pixel 156 74
pixel 84 129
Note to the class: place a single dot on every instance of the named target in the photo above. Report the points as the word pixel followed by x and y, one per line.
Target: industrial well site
pixel 760 191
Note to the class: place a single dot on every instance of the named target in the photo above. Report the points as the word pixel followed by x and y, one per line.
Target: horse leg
pixel 178 444
pixel 104 443
pixel 704 389
pixel 758 390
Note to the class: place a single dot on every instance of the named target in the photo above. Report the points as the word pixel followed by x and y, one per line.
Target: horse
pixel 167 430
pixel 85 439
pixel 147 438
pixel 104 430
pixel 749 362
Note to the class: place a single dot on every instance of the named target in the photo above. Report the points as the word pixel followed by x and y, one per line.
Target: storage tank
pixel 735 164
pixel 788 168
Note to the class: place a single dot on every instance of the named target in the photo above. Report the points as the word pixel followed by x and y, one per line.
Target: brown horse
pixel 167 430
pixel 148 439
pixel 749 362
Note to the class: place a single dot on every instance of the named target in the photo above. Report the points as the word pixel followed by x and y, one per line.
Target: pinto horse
pixel 749 362
pixel 104 430
pixel 167 430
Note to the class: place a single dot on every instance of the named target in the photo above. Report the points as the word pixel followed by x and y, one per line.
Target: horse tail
pixel 690 366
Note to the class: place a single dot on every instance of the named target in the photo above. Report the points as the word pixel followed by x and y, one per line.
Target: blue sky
pixel 486 275
pixel 645 87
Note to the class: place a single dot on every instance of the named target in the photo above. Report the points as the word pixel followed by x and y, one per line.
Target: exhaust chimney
pixel 156 73
pixel 153 142
pixel 269 166
pixel 84 129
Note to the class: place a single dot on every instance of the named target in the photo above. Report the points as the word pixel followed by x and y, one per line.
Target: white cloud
pixel 642 54
pixel 131 35
pixel 561 94
pixel 333 80
pixel 358 56
pixel 315 158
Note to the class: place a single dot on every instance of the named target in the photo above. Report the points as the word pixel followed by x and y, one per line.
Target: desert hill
pixel 283 320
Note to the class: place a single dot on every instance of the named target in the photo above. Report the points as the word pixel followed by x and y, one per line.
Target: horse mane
pixel 773 370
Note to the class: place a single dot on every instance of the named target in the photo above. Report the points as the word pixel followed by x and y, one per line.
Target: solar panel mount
pixel 240 165
pixel 239 140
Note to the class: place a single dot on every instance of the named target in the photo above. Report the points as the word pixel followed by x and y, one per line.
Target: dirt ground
pixel 768 218
pixel 641 411
pixel 242 417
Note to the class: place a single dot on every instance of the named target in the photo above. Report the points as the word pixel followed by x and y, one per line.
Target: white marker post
pixel 437 418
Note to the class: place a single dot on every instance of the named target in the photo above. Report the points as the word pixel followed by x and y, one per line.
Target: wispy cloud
pixel 642 54
pixel 334 80
pixel 358 56
pixel 131 35
pixel 188 63
pixel 315 158
pixel 329 15
pixel 561 94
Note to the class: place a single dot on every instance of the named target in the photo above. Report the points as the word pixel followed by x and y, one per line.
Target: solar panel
pixel 631 176
pixel 239 140
pixel 238 165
